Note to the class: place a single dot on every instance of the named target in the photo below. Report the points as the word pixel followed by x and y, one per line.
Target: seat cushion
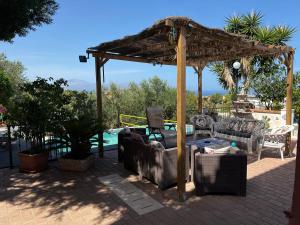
pixel 241 134
pixel 223 131
pixel 171 142
pixel 206 129
pixel 235 133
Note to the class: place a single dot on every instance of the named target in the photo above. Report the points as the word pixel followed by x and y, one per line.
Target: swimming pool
pixel 111 138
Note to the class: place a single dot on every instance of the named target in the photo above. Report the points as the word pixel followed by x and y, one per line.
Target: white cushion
pixel 214 150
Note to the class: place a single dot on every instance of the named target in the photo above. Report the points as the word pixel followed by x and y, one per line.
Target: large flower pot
pixel 79 165
pixel 33 163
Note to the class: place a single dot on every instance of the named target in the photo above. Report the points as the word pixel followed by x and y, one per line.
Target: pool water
pixel 111 138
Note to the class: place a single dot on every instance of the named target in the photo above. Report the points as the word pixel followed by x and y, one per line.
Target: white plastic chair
pixel 276 139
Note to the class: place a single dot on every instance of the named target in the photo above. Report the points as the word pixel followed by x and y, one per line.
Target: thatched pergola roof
pixel 157 44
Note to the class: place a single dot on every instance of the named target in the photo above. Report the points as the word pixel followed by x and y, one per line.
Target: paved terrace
pixel 57 197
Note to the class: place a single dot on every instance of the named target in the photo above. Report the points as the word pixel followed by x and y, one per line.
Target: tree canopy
pixel 270 87
pixel 18 17
pixel 134 100
pixel 251 25
pixel 6 88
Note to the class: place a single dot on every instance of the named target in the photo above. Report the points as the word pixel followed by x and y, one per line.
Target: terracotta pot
pixel 33 163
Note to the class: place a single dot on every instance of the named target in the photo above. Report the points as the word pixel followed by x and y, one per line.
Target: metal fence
pixel 11 144
pixel 216 113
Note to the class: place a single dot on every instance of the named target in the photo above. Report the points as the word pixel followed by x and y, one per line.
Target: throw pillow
pixel 137 138
pixel 157 144
pixel 201 123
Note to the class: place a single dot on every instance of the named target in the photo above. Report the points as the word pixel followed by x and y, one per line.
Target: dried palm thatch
pixel 227 76
pixel 246 65
pixel 157 44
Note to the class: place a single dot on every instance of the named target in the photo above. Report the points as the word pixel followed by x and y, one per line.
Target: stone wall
pixel 277 118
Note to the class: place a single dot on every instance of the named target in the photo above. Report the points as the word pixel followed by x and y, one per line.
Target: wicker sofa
pixel 152 160
pixel 242 130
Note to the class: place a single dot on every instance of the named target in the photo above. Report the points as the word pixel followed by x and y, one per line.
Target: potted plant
pixel 78 131
pixel 34 112
pixel 77 136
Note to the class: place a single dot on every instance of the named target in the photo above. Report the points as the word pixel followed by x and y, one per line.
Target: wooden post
pixel 200 105
pixel 181 95
pixel 199 70
pixel 99 105
pixel 294 215
pixel 289 95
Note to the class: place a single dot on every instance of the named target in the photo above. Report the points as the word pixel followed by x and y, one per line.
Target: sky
pixel 53 50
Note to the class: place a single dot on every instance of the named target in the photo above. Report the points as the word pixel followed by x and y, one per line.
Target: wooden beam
pixel 207 55
pixel 181 99
pixel 129 58
pixel 289 96
pixel 98 63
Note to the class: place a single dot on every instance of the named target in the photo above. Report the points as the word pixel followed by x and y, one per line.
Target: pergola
pixel 182 42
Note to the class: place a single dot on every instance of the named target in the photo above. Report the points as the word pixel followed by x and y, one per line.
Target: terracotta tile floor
pixel 56 197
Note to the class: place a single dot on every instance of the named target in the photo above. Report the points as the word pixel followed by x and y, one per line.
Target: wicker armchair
pixel 220 173
pixel 275 139
pixel 202 124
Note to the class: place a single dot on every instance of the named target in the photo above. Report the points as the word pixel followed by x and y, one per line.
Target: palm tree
pixel 251 26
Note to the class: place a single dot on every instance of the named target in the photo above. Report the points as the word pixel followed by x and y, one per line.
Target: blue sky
pixel 52 50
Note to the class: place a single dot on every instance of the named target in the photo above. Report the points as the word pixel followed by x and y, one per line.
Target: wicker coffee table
pixel 199 145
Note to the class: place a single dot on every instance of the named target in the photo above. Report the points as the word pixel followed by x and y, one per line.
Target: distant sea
pixel 211 92
pixel 81 85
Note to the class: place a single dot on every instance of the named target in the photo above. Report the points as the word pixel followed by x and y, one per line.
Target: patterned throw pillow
pixel 231 124
pixel 201 123
pixel 248 126
pixel 237 125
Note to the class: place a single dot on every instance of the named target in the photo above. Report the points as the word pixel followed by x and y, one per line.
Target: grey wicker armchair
pixel 220 173
pixel 202 124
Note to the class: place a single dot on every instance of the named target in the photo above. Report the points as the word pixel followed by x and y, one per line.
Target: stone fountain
pixel 242 106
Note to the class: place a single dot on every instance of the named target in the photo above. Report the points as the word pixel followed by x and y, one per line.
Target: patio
pixel 183 42
pixel 57 197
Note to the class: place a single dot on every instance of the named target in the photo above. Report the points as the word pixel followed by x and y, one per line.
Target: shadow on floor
pixel 58 194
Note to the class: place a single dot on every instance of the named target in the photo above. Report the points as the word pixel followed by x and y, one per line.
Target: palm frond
pixel 246 66
pixel 265 35
pixel 251 22
pixel 283 34
pixel 227 76
pixel 234 24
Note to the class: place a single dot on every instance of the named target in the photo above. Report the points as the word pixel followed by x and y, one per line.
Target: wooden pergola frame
pixel 182 42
